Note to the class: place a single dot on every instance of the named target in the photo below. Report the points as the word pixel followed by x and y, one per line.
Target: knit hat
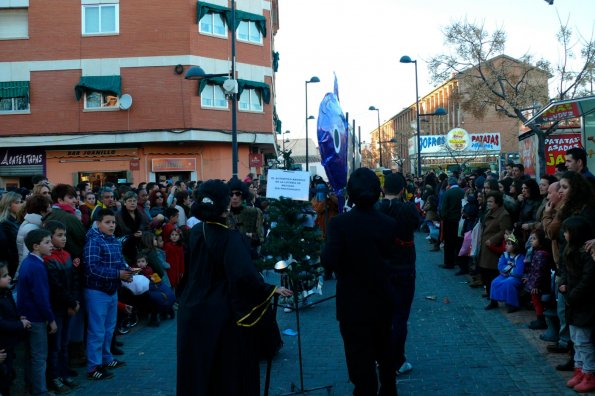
pixel 393 183
pixel 452 181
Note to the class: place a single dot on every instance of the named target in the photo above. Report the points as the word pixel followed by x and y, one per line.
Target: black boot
pixel 154 321
pixel 538 324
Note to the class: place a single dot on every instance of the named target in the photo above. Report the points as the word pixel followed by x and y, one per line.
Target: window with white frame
pixel 251 100
pixel 98 19
pixel 248 32
pixel 14 105
pixel 95 100
pixel 212 96
pixel 213 23
pixel 14 23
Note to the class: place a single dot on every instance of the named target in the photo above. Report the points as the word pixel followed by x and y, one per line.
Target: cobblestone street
pixel 454 345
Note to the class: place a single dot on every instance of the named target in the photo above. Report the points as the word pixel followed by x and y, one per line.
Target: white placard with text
pixel 288 184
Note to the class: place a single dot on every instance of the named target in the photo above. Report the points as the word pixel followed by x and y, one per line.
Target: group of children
pixel 51 289
pixel 532 272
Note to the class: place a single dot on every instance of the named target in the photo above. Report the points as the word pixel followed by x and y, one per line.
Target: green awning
pixel 111 84
pixel 275 61
pixel 203 8
pixel 14 89
pixel 264 88
pixel 259 20
pixel 202 83
pixel 277 121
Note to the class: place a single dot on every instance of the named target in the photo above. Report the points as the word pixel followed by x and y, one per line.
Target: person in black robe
pixel 222 297
pixel 358 249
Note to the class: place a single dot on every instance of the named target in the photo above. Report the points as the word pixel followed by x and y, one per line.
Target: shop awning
pixel 203 8
pixel 112 84
pixel 275 61
pixel 14 89
pixel 264 88
pixel 564 109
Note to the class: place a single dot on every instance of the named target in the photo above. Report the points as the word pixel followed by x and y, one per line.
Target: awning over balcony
pixel 264 88
pixel 203 8
pixel 111 84
pixel 14 89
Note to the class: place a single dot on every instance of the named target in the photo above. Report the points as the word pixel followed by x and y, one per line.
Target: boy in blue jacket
pixel 105 267
pixel 34 304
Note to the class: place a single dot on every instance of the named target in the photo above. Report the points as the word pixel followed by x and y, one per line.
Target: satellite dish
pixel 125 102
pixel 230 86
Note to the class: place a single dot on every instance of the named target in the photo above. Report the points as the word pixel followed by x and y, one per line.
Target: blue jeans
pixel 77 322
pixel 564 334
pixel 584 351
pixel 102 313
pixel 58 348
pixel 36 352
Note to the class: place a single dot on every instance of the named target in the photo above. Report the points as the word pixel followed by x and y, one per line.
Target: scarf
pixel 64 207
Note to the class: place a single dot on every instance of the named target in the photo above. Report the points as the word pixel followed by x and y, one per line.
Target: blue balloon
pixel 332 141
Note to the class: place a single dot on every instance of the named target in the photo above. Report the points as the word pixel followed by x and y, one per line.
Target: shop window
pixel 14 23
pixel 100 100
pixel 212 96
pixel 213 23
pixel 248 32
pixel 251 100
pixel 100 19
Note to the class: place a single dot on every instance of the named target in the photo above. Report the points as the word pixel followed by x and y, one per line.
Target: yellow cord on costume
pixel 239 322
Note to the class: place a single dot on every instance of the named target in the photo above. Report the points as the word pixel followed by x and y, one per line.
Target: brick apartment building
pixel 491 140
pixel 95 90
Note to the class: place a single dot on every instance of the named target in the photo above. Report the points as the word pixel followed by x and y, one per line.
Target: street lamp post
pixel 372 108
pixel 197 73
pixel 407 59
pixel 313 79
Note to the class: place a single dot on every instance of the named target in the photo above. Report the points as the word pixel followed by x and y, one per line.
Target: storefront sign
pixel 457 139
pixel 556 147
pixel 462 143
pixel 561 111
pixel 256 160
pixel 288 184
pixel 173 164
pixel 92 153
pixel 134 165
pixel 22 157
pixel 528 154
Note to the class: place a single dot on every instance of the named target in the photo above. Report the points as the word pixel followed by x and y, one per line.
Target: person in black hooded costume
pixel 221 297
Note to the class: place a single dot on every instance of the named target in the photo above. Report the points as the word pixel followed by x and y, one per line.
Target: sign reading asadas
pixel 457 139
pixel 556 147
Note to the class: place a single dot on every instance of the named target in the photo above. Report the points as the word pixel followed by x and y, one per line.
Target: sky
pixel 362 42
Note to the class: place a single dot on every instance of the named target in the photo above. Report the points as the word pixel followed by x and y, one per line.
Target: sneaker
pixel 587 384
pixel 69 382
pixel 99 374
pixel 114 364
pixel 57 386
pixel 576 379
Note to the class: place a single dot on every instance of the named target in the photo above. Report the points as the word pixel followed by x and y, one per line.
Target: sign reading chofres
pixel 457 140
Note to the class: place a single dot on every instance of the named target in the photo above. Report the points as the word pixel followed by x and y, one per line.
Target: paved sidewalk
pixel 454 345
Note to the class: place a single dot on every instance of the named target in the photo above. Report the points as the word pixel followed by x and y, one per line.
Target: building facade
pixel 94 90
pixel 479 142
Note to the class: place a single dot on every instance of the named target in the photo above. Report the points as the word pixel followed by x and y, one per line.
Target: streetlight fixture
pixel 372 108
pixel 197 73
pixel 439 111
pixel 283 138
pixel 313 79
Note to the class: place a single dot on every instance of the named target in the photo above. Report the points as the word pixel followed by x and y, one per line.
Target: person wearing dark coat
pixel 402 268
pixel 12 329
pixel 131 222
pixel 222 297
pixel 450 213
pixel 359 246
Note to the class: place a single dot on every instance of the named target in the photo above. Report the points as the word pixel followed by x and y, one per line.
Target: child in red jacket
pixel 174 255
